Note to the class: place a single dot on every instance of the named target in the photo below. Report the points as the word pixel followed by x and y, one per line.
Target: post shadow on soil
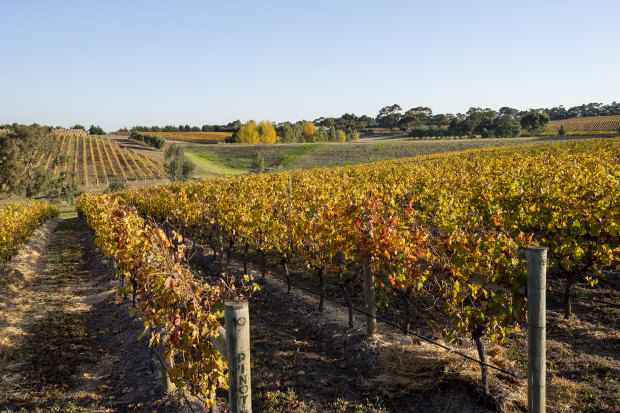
pixel 566 333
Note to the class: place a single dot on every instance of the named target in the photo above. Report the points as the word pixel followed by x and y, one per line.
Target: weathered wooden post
pixel 536 328
pixel 220 243
pixel 166 362
pixel 237 322
pixel 370 306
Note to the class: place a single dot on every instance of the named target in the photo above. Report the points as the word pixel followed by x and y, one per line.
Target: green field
pixel 236 159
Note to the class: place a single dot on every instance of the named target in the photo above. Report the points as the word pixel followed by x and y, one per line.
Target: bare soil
pixel 68 343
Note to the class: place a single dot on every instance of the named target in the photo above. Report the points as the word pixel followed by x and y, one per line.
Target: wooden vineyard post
pixel 166 362
pixel 237 322
pixel 536 328
pixel 220 243
pixel 370 306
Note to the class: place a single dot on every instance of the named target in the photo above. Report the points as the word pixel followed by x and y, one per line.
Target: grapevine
pixel 101 161
pixel 84 157
pixel 18 220
pixel 107 155
pixel 92 158
pixel 169 296
pixel 131 171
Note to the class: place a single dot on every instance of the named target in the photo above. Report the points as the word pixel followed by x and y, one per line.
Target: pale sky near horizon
pixel 126 63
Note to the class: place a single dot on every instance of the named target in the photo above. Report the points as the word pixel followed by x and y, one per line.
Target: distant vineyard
pixel 590 125
pixel 187 136
pixel 95 160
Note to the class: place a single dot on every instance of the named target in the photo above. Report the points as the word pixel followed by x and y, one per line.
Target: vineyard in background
pixel 96 160
pixel 585 126
pixel 206 137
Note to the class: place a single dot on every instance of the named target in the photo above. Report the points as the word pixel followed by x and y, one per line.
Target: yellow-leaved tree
pixel 309 132
pixel 251 132
pixel 267 132
pixel 343 136
pixel 248 133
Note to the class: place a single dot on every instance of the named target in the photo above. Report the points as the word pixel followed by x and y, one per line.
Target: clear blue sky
pixel 130 62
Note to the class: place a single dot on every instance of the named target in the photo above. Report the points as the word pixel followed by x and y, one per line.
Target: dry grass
pixel 422 368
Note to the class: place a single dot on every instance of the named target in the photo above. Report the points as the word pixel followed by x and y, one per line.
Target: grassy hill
pixel 227 159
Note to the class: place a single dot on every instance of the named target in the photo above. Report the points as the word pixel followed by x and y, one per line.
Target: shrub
pixel 562 131
pixel 157 142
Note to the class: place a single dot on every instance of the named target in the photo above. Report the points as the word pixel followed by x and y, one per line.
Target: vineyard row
pixel 18 220
pixel 180 313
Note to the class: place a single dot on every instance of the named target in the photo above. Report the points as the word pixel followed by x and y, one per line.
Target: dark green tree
pixel 298 132
pixel 439 120
pixel 506 126
pixel 562 131
pixel 95 130
pixel 389 116
pixel 332 136
pixel 286 133
pixel 365 122
pixel 478 119
pixel 179 168
pixel 534 122
pixel 258 165
pixel 505 110
pixel 322 134
pixel 417 116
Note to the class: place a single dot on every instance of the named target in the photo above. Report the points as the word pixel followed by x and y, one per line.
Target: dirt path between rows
pixel 67 342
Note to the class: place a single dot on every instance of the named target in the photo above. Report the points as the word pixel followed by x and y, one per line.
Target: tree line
pixel 229 127
pixel 418 121
pixel 93 130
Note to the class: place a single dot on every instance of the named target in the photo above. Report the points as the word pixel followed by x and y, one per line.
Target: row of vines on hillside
pixel 181 312
pixel 18 220
pixel 451 227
